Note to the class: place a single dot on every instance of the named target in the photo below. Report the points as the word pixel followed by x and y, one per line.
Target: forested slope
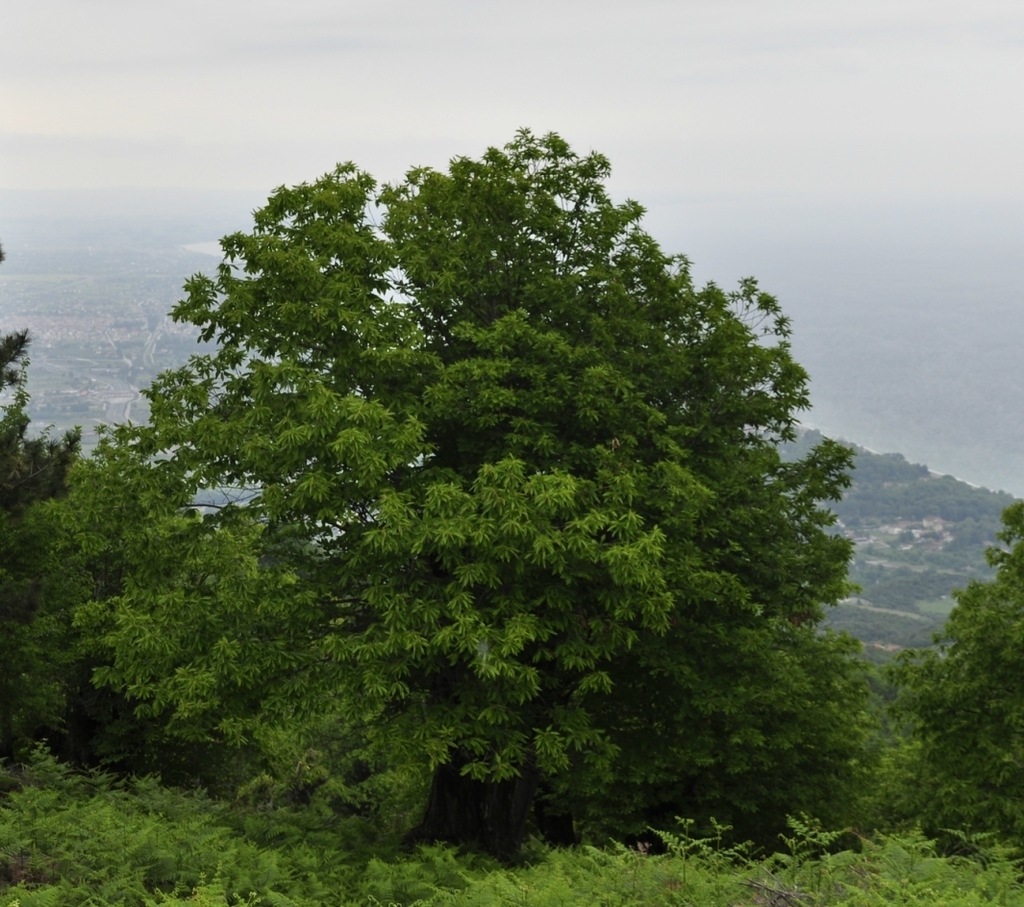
pixel 918 536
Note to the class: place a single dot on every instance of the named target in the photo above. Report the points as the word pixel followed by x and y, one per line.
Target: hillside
pixel 918 536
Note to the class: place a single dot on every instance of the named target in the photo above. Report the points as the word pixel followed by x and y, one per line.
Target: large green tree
pixel 483 465
pixel 965 701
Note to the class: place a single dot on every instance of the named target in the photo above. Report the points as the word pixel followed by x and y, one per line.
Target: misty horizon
pixel 908 319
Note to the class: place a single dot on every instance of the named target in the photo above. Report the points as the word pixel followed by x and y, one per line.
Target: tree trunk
pixel 554 821
pixel 484 815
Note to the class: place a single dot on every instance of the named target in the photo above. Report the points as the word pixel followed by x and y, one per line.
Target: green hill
pixel 918 536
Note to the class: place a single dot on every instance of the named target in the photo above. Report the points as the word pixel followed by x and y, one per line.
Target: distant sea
pixel 907 313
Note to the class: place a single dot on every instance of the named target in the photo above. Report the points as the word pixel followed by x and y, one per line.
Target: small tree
pixel 506 472
pixel 965 700
pixel 32 470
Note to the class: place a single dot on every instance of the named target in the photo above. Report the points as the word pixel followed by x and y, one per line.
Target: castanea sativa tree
pixel 964 700
pixel 480 463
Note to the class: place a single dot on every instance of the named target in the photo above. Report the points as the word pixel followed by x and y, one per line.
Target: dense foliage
pixel 965 701
pixel 33 470
pixel 486 470
pixel 474 521
pixel 74 839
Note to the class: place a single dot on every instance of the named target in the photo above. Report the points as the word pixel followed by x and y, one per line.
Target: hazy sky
pixel 844 98
pixel 864 158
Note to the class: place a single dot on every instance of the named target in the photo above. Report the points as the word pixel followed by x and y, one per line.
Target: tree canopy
pixel 32 470
pixel 474 461
pixel 965 700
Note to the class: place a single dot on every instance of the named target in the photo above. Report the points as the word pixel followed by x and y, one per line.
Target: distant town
pixel 99 324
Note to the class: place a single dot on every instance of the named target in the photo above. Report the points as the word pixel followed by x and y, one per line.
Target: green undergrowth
pixel 73 838
pixel 69 838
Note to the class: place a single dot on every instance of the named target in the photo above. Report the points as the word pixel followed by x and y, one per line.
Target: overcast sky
pixel 844 98
pixel 864 158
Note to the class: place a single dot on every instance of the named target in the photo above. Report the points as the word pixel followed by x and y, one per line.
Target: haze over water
pixel 909 317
